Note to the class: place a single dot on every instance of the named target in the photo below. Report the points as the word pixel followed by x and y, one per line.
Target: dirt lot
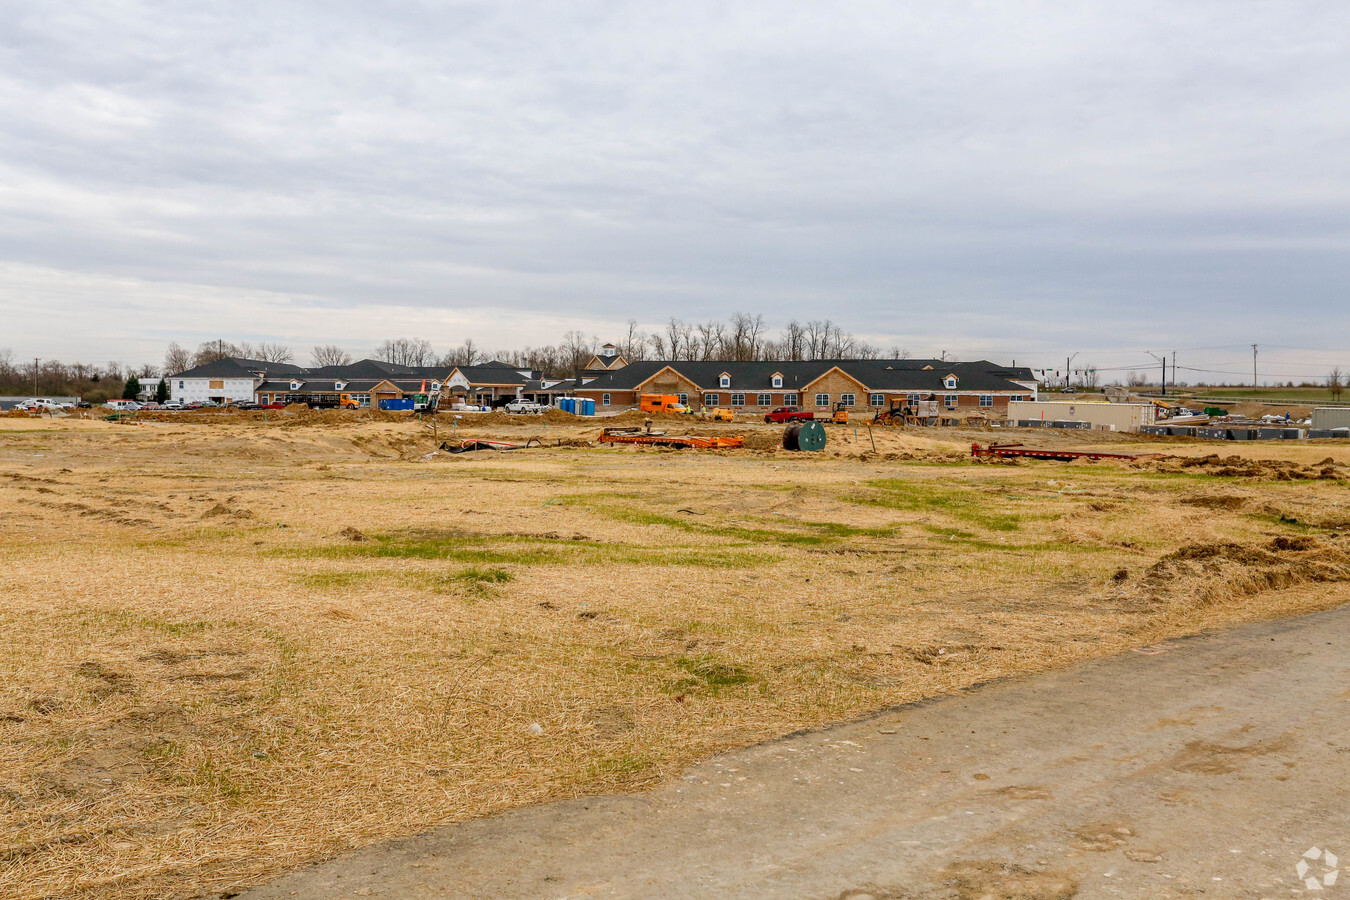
pixel 230 646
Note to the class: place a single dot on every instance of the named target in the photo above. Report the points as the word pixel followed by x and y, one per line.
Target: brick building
pixel 816 385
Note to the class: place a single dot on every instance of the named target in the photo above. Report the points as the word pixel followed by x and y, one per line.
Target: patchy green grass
pixel 802 534
pixel 963 504
pixel 707 673
pixel 485 550
pixel 473 581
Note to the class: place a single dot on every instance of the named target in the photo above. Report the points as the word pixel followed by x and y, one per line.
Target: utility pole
pixel 1174 369
pixel 35 375
pixel 1253 365
pixel 1068 362
pixel 1163 360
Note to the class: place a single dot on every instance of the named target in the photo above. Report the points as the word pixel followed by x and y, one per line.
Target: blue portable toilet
pixel 587 407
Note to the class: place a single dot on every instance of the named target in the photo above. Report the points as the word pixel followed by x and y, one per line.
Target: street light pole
pixel 35 375
pixel 1068 362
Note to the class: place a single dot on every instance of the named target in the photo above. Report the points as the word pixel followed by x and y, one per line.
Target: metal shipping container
pixel 1325 417
pixel 1123 416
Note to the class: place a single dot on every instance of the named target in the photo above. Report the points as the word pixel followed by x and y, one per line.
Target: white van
pixel 123 405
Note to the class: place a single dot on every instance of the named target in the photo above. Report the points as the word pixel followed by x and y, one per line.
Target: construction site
pixel 239 642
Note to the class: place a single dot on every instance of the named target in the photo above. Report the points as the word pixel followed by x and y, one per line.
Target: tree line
pixel 743 337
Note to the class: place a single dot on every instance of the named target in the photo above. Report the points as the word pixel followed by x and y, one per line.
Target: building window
pixel 951 401
pixel 986 399
pixel 711 399
pixel 878 400
pixel 737 399
pixel 724 381
pixel 789 399
pixel 1018 398
pixel 913 398
pixel 822 399
pixel 765 399
pixel 847 400
pixel 683 398
pixel 778 381
pixel 604 399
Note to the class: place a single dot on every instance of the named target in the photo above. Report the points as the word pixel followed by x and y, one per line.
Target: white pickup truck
pixel 42 404
pixel 525 406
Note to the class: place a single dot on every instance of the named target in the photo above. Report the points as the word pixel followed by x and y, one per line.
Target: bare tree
pixel 742 341
pixel 274 353
pixel 794 341
pixel 1336 383
pixel 711 335
pixel 898 353
pixel 211 351
pixel 329 355
pixel 658 344
pixel 634 343
pixel 1090 379
pixel 176 359
pixel 576 350
pixel 816 337
pixel 679 339
pixel 466 354
pixel 413 352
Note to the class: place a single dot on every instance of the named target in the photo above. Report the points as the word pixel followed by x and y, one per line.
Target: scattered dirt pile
pixel 1215 573
pixel 1241 467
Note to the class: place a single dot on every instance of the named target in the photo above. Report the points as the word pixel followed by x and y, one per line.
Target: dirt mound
pixel 1226 571
pixel 1241 467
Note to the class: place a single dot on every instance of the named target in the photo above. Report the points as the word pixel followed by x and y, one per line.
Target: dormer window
pixel 777 380
pixel 295 385
pixel 949 382
pixel 724 380
pixel 339 385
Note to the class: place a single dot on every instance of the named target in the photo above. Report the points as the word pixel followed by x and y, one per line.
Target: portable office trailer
pixel 1116 416
pixel 1328 417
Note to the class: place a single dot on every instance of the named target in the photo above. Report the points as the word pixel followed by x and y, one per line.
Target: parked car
pixel 172 404
pixel 789 414
pixel 245 404
pixel 276 405
pixel 84 404
pixel 525 406
pixel 151 406
pixel 122 405
pixel 201 404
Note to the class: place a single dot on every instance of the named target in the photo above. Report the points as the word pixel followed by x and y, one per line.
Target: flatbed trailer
pixel 649 439
pixel 1003 451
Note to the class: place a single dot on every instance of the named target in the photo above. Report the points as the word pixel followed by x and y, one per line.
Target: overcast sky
pixel 1016 180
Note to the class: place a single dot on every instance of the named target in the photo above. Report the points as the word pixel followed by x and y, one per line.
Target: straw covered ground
pixel 231 646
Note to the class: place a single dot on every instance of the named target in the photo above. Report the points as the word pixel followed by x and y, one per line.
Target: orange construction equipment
pixel 661 403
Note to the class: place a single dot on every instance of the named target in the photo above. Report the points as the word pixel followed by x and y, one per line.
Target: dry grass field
pixel 228 649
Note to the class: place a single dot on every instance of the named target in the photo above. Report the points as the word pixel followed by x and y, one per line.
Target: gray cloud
pixel 1010 177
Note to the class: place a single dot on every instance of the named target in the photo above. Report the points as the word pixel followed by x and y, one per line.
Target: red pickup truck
pixel 789 414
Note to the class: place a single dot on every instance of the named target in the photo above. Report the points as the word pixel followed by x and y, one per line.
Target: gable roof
pixel 237 367
pixel 908 375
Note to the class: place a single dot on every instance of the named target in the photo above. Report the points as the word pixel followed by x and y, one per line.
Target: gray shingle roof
pixel 233 367
pixel 910 375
